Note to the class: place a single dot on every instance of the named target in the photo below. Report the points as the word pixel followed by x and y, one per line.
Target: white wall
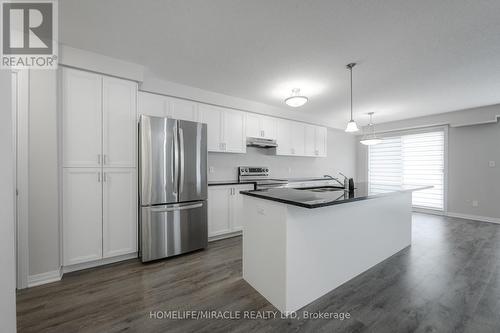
pixel 43 174
pixel 469 175
pixel 7 259
pixel 341 157
pixel 470 148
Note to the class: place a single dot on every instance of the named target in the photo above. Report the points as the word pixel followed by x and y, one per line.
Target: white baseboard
pixel 43 278
pixel 95 263
pixel 474 217
pixel 224 236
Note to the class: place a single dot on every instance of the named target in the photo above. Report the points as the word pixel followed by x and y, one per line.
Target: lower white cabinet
pixel 119 216
pixel 225 209
pixel 82 215
pixel 99 213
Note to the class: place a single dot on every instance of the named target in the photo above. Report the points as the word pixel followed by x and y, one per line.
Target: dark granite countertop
pixel 229 182
pixel 315 199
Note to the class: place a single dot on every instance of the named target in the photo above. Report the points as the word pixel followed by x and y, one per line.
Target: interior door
pixel 234 132
pixel 82 215
pixel 158 160
pixel 119 102
pixel 119 223
pixel 82 118
pixel 192 167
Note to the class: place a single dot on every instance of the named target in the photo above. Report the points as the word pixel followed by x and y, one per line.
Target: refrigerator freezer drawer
pixel 170 230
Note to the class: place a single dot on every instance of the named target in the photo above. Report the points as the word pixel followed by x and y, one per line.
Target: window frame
pixel 445 129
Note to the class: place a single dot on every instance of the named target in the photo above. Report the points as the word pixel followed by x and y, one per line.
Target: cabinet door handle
pixel 99 159
pixel 104 177
pixel 104 159
pixel 99 177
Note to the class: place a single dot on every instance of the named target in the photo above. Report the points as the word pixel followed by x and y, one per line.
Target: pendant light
pixel 296 99
pixel 370 139
pixel 351 125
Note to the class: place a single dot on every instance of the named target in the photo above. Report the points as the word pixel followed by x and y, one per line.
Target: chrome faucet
pixel 336 179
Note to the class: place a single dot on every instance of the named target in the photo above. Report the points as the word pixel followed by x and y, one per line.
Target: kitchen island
pixel 299 244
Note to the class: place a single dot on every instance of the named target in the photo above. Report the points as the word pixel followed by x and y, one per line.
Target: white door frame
pixel 20 110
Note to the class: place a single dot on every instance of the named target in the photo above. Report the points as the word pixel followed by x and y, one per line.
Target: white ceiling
pixel 414 58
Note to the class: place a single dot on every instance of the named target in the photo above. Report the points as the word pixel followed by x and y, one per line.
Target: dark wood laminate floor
pixel 447 281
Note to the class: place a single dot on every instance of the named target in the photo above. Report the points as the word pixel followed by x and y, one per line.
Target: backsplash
pixel 341 157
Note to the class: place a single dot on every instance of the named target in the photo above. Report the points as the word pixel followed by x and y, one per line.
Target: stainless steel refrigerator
pixel 173 187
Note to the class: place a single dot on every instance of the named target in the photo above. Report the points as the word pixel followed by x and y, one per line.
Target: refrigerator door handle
pixel 181 164
pixel 175 162
pixel 174 208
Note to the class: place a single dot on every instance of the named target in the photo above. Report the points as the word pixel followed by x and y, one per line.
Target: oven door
pixel 169 230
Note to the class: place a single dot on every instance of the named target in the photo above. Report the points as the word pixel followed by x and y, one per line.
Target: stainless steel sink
pixel 321 188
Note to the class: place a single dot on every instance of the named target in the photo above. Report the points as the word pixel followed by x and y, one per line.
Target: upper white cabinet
pixel 152 104
pixel 81 118
pixel 315 141
pixel 163 106
pixel 234 131
pixel 259 126
pixel 182 109
pixel 119 100
pixel 99 120
pixel 299 139
pixel 225 127
pixel 229 128
pixel 290 138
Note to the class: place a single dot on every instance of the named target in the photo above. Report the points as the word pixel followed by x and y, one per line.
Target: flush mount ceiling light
pixel 351 125
pixel 370 139
pixel 296 99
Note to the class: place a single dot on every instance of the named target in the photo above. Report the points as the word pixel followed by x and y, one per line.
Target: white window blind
pixel 413 159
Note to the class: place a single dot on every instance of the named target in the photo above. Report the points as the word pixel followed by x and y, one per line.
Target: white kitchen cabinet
pixel 290 138
pixel 99 213
pixel 152 104
pixel 81 118
pixel 225 209
pixel 82 215
pixel 98 120
pixel 99 158
pixel 259 126
pixel 225 129
pixel 234 137
pixel 119 218
pixel 315 141
pixel 219 215
pixel 212 116
pixel 182 109
pixel 119 100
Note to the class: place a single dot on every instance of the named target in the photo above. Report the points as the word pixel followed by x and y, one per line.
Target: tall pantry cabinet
pixel 99 191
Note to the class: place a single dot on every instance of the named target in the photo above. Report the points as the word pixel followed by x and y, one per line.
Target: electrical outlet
pixel 475 203
pixel 211 169
pixel 492 164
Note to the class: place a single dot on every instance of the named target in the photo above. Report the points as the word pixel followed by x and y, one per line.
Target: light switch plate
pixel 492 164
pixel 211 169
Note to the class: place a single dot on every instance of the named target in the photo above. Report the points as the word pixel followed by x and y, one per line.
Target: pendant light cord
pixel 350 69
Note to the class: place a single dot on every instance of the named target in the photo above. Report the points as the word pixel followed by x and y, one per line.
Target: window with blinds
pixel 413 159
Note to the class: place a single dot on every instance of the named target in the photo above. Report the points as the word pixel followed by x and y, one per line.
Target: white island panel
pixel 293 255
